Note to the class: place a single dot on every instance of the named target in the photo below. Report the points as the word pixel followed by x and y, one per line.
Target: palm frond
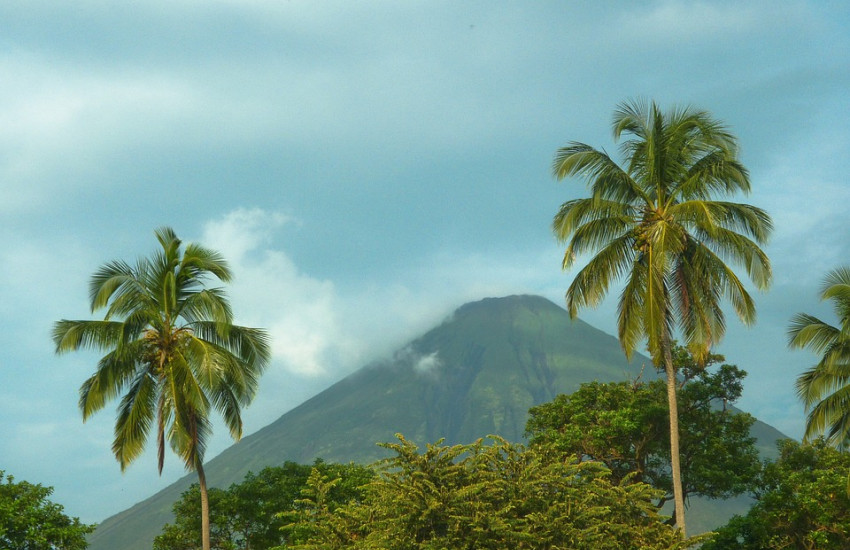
pixel 240 382
pixel 71 335
pixel 132 301
pixel 807 331
pixel 730 247
pixel 825 388
pixel 184 384
pixel 250 345
pixel 591 283
pixel 837 277
pixel 200 261
pixel 711 216
pixel 631 309
pixel 207 305
pixel 808 387
pixel 606 179
pixel 630 117
pixel 135 416
pixel 575 213
pixel 206 362
pixel 657 318
pixel 228 404
pixel 189 436
pixel 714 173
pixel 696 294
pixel 578 159
pixel 836 287
pixel 114 372
pixel 167 239
pixel 727 282
pixel 830 416
pixel 597 234
pixel 116 276
pixel 667 240
pixel 824 378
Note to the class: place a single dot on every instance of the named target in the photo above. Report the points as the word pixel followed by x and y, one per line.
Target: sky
pixel 368 167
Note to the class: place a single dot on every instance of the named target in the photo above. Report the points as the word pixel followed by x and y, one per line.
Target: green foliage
pixel 185 533
pixel 29 521
pixel 825 388
pixel 624 426
pixel 803 502
pixel 247 515
pixel 482 496
pixel 172 350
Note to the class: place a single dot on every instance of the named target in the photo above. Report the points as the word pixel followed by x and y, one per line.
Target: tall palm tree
pixel 656 224
pixel 825 388
pixel 172 350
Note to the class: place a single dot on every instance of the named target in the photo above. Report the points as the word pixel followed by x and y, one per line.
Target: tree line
pixel 594 474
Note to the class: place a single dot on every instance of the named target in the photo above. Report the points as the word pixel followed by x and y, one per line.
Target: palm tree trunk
pixel 675 467
pixel 205 507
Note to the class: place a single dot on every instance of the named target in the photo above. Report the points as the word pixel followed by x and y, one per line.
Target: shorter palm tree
pixel 825 388
pixel 172 351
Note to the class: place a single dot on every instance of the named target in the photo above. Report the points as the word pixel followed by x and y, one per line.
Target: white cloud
pixel 243 231
pixel 317 330
pixel 427 364
pixel 299 311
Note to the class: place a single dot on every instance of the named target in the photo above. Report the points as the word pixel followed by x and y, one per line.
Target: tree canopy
pixel 802 502
pixel 249 515
pixel 30 521
pixel 624 426
pixel 485 495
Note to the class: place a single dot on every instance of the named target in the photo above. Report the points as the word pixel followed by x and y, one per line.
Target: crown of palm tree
pixel 172 350
pixel 825 388
pixel 655 222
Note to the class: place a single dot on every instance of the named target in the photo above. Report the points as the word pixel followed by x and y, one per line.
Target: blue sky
pixel 367 167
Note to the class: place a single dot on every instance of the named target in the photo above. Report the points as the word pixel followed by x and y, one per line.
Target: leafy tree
pixel 623 425
pixel 483 496
pixel 247 516
pixel 803 502
pixel 29 521
pixel 656 224
pixel 825 388
pixel 185 532
pixel 172 350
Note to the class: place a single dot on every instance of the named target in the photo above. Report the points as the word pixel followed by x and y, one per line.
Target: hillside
pixel 477 373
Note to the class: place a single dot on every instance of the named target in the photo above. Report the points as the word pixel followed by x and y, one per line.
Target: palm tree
pixel 656 224
pixel 171 350
pixel 825 388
